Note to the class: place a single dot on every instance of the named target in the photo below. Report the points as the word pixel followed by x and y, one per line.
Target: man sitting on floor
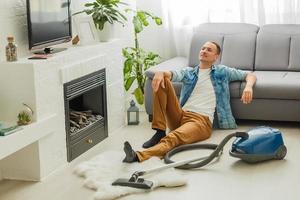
pixel 205 91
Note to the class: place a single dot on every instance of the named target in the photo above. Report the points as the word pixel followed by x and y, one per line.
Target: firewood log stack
pixel 81 119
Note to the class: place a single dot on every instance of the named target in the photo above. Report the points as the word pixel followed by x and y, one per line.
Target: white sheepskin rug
pixel 102 170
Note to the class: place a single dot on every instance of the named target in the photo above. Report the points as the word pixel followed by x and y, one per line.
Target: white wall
pixel 13 22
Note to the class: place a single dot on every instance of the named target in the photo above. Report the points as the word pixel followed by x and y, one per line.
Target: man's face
pixel 208 53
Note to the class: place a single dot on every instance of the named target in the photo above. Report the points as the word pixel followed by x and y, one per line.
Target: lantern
pixel 133 114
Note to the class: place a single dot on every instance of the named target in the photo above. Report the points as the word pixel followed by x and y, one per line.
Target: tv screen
pixel 49 22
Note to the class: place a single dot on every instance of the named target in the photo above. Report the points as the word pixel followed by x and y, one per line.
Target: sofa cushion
pixel 294 64
pixel 234 88
pixel 239 50
pixel 276 85
pixel 272 55
pixel 277 47
pixel 237 41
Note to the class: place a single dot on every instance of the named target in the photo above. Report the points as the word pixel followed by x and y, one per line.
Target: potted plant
pixel 104 12
pixel 138 60
pixel 25 115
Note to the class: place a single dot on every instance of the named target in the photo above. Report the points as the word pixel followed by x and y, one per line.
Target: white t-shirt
pixel 203 98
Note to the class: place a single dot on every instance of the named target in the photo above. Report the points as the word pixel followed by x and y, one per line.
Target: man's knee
pixel 207 135
pixel 167 85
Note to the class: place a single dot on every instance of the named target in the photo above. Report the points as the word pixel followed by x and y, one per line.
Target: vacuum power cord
pixel 217 151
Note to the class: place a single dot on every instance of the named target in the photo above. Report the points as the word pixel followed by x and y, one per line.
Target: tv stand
pixel 49 50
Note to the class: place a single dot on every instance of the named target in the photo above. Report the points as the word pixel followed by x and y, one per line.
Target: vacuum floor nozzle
pixel 138 183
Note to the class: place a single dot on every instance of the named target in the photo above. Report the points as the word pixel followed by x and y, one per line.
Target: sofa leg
pixel 150 117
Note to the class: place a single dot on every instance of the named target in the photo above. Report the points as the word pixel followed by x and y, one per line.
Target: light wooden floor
pixel 226 179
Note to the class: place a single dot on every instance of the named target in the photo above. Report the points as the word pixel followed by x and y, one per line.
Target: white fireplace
pixel 40 148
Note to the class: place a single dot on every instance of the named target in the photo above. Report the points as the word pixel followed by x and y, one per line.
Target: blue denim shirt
pixel 220 76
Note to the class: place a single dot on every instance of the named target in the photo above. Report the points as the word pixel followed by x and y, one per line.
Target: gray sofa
pixel 271 51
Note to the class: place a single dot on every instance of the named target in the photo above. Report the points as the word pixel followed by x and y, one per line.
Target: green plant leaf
pixel 141 15
pixel 129 82
pixel 158 21
pixel 152 55
pixel 89 4
pixel 138 27
pixel 88 12
pixel 126 76
pixel 139 96
pixel 125 53
pixel 145 22
pixel 146 13
pixel 101 27
pixel 109 18
pixel 128 10
pixel 104 11
pixel 133 49
pixel 116 12
pixel 103 2
pixel 95 15
pixel 127 66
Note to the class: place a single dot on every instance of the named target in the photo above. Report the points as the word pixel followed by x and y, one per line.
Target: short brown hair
pixel 218 47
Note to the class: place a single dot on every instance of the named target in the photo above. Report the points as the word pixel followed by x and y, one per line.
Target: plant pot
pixel 107 34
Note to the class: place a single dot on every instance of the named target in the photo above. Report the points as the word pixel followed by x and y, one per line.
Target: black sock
pixel 155 138
pixel 161 133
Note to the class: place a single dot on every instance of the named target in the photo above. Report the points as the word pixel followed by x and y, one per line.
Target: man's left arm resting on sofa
pixel 248 91
pixel 241 75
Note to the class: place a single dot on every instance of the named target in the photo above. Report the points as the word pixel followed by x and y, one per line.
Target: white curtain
pixel 180 17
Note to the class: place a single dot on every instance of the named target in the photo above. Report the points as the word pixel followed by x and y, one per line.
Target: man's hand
pixel 158 80
pixel 247 95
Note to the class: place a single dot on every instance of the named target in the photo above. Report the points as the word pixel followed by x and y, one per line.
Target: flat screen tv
pixel 49 23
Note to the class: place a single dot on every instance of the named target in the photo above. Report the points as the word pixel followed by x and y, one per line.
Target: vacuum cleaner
pixel 256 145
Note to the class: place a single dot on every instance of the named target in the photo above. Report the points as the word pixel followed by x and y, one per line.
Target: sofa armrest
pixel 168 65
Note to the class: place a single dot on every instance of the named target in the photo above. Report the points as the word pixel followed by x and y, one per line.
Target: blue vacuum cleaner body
pixel 263 143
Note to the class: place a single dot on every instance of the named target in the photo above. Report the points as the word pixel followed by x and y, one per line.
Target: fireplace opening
pixel 85 113
pixel 85 110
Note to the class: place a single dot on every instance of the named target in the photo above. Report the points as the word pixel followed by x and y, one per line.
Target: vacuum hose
pixel 217 151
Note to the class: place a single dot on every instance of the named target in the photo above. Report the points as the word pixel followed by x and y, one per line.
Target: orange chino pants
pixel 185 127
